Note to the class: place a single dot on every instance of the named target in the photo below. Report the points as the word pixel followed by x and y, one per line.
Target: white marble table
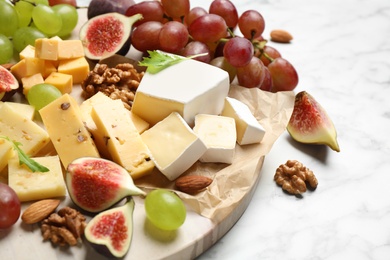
pixel 341 50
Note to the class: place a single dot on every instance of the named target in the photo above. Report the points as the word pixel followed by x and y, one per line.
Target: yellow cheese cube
pixel 63 82
pixel 71 139
pixel 6 153
pixel 123 140
pixel 70 49
pixel 18 128
pixel 46 49
pixel 27 67
pixel 27 52
pixel 30 185
pixel 78 68
pixel 50 66
pixel 29 81
pixel 25 110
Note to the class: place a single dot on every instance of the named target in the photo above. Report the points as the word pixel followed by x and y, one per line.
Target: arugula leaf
pixel 24 159
pixel 158 60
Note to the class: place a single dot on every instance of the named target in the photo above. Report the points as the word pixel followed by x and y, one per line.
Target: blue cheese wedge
pixel 189 88
pixel 218 133
pixel 249 130
pixel 174 145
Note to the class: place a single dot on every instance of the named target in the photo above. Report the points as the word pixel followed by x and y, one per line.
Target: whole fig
pixel 98 7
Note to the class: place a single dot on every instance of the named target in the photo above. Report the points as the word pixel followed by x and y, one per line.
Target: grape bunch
pixel 229 40
pixel 24 21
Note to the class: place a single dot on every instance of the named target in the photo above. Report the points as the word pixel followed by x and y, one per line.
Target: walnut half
pixel 293 176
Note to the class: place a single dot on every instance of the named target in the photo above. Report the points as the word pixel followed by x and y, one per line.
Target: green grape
pixel 8 19
pixel 165 209
pixel 43 2
pixel 26 36
pixel 6 49
pixel 46 19
pixel 69 18
pixel 24 11
pixel 41 95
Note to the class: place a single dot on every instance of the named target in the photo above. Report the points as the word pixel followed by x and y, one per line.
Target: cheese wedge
pixel 30 185
pixel 174 145
pixel 122 138
pixel 71 139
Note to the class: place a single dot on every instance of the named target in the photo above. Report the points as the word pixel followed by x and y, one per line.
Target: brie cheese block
pixel 190 87
pixel 249 130
pixel 218 133
pixel 174 145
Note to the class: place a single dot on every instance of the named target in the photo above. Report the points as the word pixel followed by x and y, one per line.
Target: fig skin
pixel 96 184
pixel 310 124
pixel 98 7
pixel 8 84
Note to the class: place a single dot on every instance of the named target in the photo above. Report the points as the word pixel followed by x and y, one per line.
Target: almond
pixel 39 210
pixel 281 36
pixel 192 184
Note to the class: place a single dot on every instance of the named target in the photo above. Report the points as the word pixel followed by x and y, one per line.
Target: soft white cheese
pixel 249 130
pixel 189 88
pixel 218 133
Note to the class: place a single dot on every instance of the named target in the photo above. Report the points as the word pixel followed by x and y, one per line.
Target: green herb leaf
pixel 158 60
pixel 24 158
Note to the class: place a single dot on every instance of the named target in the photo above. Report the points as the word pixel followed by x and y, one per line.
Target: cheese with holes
pixel 78 68
pixel 174 145
pixel 30 185
pixel 61 81
pixel 122 138
pixel 249 130
pixel 218 133
pixel 189 88
pixel 63 122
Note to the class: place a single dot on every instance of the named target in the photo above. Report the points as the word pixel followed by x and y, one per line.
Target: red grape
pixel 9 206
pixel 251 24
pixel 193 14
pixel 226 10
pixel 238 51
pixel 208 28
pixel 173 37
pixel 284 75
pixel 270 52
pixel 196 47
pixel 266 85
pixel 176 8
pixel 150 10
pixel 251 75
pixel 57 2
pixel 146 36
pixel 221 63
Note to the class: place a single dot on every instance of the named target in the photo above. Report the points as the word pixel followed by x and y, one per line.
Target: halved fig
pixel 309 123
pixel 96 184
pixel 107 34
pixel 111 231
pixel 8 84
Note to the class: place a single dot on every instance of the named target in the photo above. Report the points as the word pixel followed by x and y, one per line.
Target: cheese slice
pixel 122 138
pixel 24 110
pixel 190 87
pixel 71 139
pixel 30 185
pixel 218 133
pixel 6 153
pixel 174 145
pixel 249 130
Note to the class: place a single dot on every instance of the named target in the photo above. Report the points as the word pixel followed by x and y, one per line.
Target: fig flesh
pixel 111 231
pixel 96 184
pixel 107 34
pixel 309 123
pixel 8 84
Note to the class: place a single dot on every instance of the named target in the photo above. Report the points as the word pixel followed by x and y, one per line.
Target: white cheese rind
pixel 174 145
pixel 218 133
pixel 249 130
pixel 189 88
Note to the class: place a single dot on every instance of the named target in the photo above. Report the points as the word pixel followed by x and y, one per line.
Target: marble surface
pixel 341 50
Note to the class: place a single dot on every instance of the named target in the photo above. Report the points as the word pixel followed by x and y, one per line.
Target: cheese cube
pixel 174 145
pixel 25 110
pixel 27 67
pixel 29 81
pixel 71 139
pixel 6 153
pixel 50 67
pixel 70 49
pixel 189 87
pixel 28 51
pixel 249 130
pixel 218 133
pixel 30 185
pixel 63 82
pixel 46 49
pixel 122 138
pixel 20 129
pixel 78 68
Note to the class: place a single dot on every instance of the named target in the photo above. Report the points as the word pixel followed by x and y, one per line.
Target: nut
pixel 281 36
pixel 192 184
pixel 293 176
pixel 39 210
